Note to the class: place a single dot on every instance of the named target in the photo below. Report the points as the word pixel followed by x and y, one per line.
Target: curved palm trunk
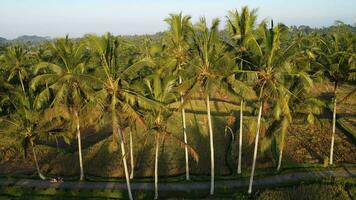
pixel 123 154
pixel 118 138
pixel 212 172
pixel 333 133
pixel 156 166
pixel 36 163
pixel 240 139
pixel 79 147
pixel 131 156
pixel 256 148
pixel 184 135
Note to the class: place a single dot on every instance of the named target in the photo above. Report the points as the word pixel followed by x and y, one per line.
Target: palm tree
pixel 64 82
pixel 297 89
pixel 208 62
pixel 161 90
pixel 27 124
pixel 241 29
pixel 15 60
pixel 272 70
pixel 115 91
pixel 160 87
pixel 178 33
pixel 336 57
pixel 131 154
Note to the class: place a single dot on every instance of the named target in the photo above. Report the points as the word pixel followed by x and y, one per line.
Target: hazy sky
pixel 76 17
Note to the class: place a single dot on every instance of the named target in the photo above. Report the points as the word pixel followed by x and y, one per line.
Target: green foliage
pixel 126 81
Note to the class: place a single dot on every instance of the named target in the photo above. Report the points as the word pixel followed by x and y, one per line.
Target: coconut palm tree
pixel 63 81
pixel 16 61
pixel 241 38
pixel 132 164
pixel 5 87
pixel 336 58
pixel 178 35
pixel 115 91
pixel 160 88
pixel 298 89
pixel 272 71
pixel 28 124
pixel 209 59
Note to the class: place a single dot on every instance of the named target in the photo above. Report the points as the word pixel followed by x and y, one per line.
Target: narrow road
pixel 183 186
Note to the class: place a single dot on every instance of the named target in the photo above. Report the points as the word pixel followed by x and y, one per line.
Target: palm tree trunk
pixel 79 147
pixel 212 173
pixel 22 85
pixel 240 139
pixel 333 133
pixel 280 157
pixel 123 154
pixel 36 163
pixel 281 148
pixel 131 156
pixel 156 166
pixel 57 145
pixel 118 138
pixel 256 147
pixel 184 135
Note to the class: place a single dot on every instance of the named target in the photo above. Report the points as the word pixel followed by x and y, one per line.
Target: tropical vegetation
pixel 57 89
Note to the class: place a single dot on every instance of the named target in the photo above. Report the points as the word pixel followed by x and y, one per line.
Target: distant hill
pixel 30 38
pixel 25 39
pixel 2 40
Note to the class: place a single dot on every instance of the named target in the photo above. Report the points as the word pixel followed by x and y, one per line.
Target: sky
pixel 56 18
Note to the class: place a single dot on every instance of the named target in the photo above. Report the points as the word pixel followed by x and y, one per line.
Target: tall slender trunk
pixel 256 147
pixel 281 147
pixel 131 156
pixel 333 132
pixel 280 153
pixel 212 172
pixel 57 144
pixel 156 166
pixel 36 163
pixel 79 147
pixel 240 139
pixel 123 154
pixel 184 135
pixel 118 138
pixel 22 85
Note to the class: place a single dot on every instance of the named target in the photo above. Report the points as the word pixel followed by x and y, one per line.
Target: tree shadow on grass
pixel 307 145
pixel 143 157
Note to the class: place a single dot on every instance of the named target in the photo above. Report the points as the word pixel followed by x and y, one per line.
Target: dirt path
pixel 182 186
